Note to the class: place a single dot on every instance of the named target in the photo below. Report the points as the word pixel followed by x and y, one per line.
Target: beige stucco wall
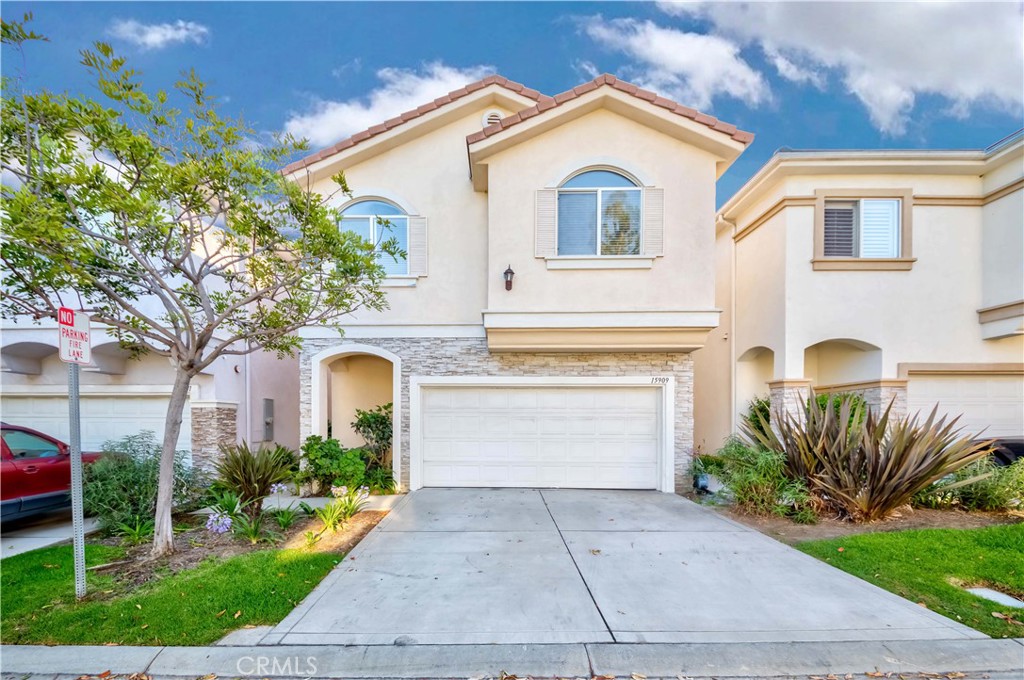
pixel 359 381
pixel 967 257
pixel 429 176
pixel 1003 250
pixel 681 280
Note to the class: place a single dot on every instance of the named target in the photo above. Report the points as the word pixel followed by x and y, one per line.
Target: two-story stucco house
pixel 560 275
pixel 894 274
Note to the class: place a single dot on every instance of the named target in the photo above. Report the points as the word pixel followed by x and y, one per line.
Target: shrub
pixel 982 485
pixel 332 515
pixel 759 413
pixel 375 427
pixel 122 484
pixel 285 517
pixel 757 480
pixel 862 465
pixel 251 529
pixel 137 531
pixel 328 463
pixel 352 501
pixel 253 474
pixel 380 480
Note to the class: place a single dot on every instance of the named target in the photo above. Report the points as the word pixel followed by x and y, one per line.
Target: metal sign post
pixel 75 349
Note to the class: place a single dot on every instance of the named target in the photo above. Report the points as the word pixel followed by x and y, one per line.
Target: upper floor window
pixel 863 229
pixel 377 221
pixel 866 228
pixel 599 214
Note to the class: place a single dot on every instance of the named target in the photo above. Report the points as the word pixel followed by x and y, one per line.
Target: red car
pixel 35 472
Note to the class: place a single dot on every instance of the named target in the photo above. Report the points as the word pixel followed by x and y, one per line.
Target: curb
pixel 720 660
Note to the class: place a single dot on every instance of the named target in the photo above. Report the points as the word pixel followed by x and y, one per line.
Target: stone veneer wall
pixel 470 356
pixel 789 397
pixel 212 427
pixel 877 397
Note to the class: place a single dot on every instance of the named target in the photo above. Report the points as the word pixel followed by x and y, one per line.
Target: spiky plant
pixel 251 474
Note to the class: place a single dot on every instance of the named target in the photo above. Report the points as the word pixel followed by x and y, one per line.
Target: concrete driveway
pixel 512 566
pixel 18 536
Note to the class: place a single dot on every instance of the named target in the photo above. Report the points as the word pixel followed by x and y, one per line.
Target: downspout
pixel 732 330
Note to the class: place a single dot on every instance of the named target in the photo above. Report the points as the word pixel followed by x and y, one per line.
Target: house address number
pixel 659 380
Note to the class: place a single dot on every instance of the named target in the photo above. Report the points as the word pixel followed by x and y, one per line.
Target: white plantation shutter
pixel 840 229
pixel 417 246
pixel 547 205
pixel 654 221
pixel 879 228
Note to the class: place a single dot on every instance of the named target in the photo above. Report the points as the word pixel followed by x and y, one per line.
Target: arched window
pixel 377 221
pixel 599 214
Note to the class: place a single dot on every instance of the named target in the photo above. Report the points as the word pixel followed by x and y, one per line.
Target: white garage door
pixel 994 404
pixel 103 418
pixel 569 437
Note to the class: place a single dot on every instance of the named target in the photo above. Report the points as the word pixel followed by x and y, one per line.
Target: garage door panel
pixel 588 437
pixel 992 404
pixel 104 418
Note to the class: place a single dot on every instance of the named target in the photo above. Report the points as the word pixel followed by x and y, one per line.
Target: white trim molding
pixel 318 371
pixel 665 384
pixel 358 331
pixel 601 262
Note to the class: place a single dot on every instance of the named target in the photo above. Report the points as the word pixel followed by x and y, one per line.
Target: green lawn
pixel 923 566
pixel 194 607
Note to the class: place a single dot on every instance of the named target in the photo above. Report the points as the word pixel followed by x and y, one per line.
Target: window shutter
pixel 840 228
pixel 417 246
pixel 547 202
pixel 880 228
pixel 654 221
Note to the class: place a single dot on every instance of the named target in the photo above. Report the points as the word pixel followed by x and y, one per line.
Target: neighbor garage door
pixel 103 417
pixel 569 437
pixel 994 403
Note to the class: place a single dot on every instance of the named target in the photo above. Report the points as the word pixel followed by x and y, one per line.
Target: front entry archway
pixel 351 376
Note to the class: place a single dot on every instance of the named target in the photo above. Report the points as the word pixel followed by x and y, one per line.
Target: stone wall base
pixel 470 356
pixel 213 426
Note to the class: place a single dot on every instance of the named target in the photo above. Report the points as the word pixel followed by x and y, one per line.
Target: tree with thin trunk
pixel 169 224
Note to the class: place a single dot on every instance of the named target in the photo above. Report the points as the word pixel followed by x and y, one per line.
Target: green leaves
pixel 131 196
pixel 861 464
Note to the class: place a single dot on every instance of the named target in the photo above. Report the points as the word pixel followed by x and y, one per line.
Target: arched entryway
pixel 353 376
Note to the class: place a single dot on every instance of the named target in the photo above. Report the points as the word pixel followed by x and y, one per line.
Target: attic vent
pixel 492 118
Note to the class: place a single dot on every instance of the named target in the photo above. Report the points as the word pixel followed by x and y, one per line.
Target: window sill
pixel 863 263
pixel 597 262
pixel 399 282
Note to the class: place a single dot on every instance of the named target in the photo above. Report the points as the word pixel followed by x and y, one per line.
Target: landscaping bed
pixel 933 566
pixel 785 530
pixel 214 584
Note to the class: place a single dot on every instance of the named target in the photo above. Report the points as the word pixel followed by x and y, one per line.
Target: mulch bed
pixel 787 531
pixel 196 544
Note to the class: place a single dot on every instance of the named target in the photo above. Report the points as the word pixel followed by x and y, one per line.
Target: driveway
pixel 511 566
pixel 18 536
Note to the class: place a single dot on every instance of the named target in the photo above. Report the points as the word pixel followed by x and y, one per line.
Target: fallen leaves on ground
pixel 1008 618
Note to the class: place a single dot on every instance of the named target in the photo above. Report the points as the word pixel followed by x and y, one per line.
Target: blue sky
pixel 870 75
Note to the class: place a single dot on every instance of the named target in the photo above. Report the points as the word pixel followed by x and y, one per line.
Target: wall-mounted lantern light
pixel 508 277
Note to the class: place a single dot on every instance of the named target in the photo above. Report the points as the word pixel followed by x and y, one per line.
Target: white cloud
pixel 159 36
pixel 585 69
pixel 792 71
pixel 690 67
pixel 350 66
pixel 400 90
pixel 888 54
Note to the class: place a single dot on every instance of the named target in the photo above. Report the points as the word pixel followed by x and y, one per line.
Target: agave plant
pixel 252 474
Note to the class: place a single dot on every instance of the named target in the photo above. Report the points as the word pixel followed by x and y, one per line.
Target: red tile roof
pixel 518 88
pixel 544 103
pixel 610 80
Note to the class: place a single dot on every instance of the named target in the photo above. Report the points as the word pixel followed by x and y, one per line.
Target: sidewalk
pixel 1002 659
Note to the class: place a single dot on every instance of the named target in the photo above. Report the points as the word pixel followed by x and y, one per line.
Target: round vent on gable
pixel 492 118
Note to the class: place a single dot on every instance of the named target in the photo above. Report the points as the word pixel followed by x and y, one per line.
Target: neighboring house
pixel 252 398
pixel 560 273
pixel 893 274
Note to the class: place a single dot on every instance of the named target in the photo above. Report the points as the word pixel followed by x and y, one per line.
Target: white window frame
pixel 374 236
pixel 858 214
pixel 599 191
